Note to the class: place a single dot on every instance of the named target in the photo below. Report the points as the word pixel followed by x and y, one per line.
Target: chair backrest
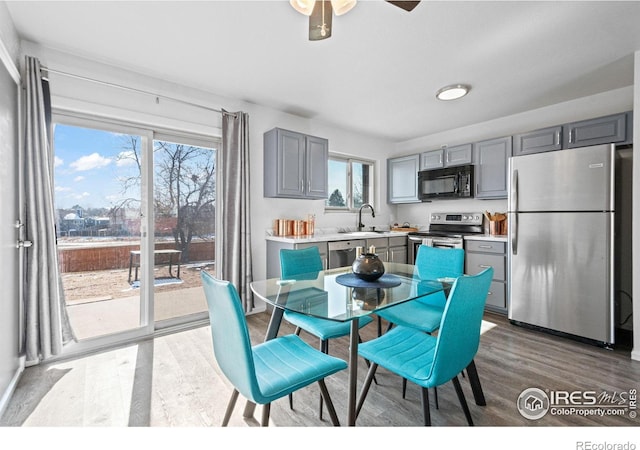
pixel 459 334
pixel 231 341
pixel 300 264
pixel 436 262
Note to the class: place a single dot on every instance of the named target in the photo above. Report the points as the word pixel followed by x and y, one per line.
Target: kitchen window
pixel 350 183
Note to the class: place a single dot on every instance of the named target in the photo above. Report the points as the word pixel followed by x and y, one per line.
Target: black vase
pixel 368 267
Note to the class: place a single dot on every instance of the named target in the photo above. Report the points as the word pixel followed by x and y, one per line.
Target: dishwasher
pixel 343 253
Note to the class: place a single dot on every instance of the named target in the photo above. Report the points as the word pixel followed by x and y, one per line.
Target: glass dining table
pixel 337 294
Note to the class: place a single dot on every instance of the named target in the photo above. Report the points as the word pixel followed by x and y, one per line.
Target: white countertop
pixel 326 237
pixel 487 237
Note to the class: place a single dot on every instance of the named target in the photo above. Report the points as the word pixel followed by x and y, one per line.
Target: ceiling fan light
pixel 341 7
pixel 303 6
pixel 453 92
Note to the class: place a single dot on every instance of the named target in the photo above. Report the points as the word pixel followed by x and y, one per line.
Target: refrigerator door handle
pixel 513 228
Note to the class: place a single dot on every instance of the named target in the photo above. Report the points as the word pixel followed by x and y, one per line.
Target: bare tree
pixel 185 189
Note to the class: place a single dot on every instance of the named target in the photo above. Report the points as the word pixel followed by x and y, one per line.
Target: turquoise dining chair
pixel 425 313
pixel 430 361
pixel 306 263
pixel 268 371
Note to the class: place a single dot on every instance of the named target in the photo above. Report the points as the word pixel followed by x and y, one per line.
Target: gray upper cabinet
pixel 458 155
pixel 545 140
pixel 402 179
pixel 295 165
pixel 492 159
pixel 603 130
pixel 446 157
pixel 433 159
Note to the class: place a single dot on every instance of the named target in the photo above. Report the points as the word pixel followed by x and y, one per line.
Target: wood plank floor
pixel 173 381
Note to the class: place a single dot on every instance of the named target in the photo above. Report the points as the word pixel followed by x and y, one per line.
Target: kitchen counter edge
pixel 329 237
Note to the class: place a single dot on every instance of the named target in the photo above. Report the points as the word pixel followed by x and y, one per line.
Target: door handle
pixel 513 227
pixel 24 244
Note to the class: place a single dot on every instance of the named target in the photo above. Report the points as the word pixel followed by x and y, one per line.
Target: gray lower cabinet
pixel 481 254
pixel 602 130
pixel 491 164
pixel 295 165
pixel 273 254
pixel 402 179
pixel 538 141
pixel 381 247
pixel 398 250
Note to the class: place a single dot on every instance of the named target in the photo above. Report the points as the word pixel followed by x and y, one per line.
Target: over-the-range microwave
pixel 449 182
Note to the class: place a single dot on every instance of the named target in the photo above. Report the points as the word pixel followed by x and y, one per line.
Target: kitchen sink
pixel 363 233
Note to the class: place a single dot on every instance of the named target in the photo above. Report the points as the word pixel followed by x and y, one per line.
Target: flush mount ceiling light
pixel 453 91
pixel 321 13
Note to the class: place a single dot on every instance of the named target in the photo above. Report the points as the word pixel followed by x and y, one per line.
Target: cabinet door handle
pixel 301 185
pixel 309 186
pixel 484 266
pixel 571 136
pixel 485 246
pixel 558 137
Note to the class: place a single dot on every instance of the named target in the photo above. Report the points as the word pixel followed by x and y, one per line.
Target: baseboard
pixel 6 395
pixel 635 354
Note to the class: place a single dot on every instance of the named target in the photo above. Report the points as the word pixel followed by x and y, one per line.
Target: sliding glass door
pixel 135 214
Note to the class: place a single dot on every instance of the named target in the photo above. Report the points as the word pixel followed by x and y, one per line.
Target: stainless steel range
pixel 446 230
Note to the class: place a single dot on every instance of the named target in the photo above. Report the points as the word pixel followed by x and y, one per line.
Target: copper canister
pixel 282 227
pixel 276 227
pixel 298 227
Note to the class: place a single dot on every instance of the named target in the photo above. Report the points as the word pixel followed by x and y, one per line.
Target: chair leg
pixel 230 406
pixel 476 387
pixel 298 330
pixel 435 392
pixel 425 406
pixel 462 399
pixel 379 326
pixel 365 387
pixel 266 409
pixel 404 388
pixel 366 361
pixel 389 326
pixel 324 348
pixel 324 393
pixel 291 401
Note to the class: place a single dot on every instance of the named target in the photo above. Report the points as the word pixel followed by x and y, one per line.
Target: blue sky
pixel 88 167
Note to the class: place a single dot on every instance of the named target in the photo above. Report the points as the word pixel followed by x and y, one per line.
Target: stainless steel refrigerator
pixel 561 241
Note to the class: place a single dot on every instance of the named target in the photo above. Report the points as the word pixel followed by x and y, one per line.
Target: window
pixel 350 183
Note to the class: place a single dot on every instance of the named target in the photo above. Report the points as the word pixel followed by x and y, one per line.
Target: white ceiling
pixel 378 73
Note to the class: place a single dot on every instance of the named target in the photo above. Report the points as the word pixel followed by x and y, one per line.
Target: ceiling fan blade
pixel 407 6
pixel 320 21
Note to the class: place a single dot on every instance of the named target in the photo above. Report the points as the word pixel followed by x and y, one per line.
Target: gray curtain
pixel 47 326
pixel 236 264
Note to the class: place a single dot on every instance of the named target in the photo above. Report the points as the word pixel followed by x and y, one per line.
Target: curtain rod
pixel 140 91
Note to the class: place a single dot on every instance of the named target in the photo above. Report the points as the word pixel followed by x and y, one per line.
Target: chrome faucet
pixel 373 214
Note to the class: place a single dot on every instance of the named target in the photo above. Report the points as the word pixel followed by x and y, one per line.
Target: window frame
pixel 350 160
